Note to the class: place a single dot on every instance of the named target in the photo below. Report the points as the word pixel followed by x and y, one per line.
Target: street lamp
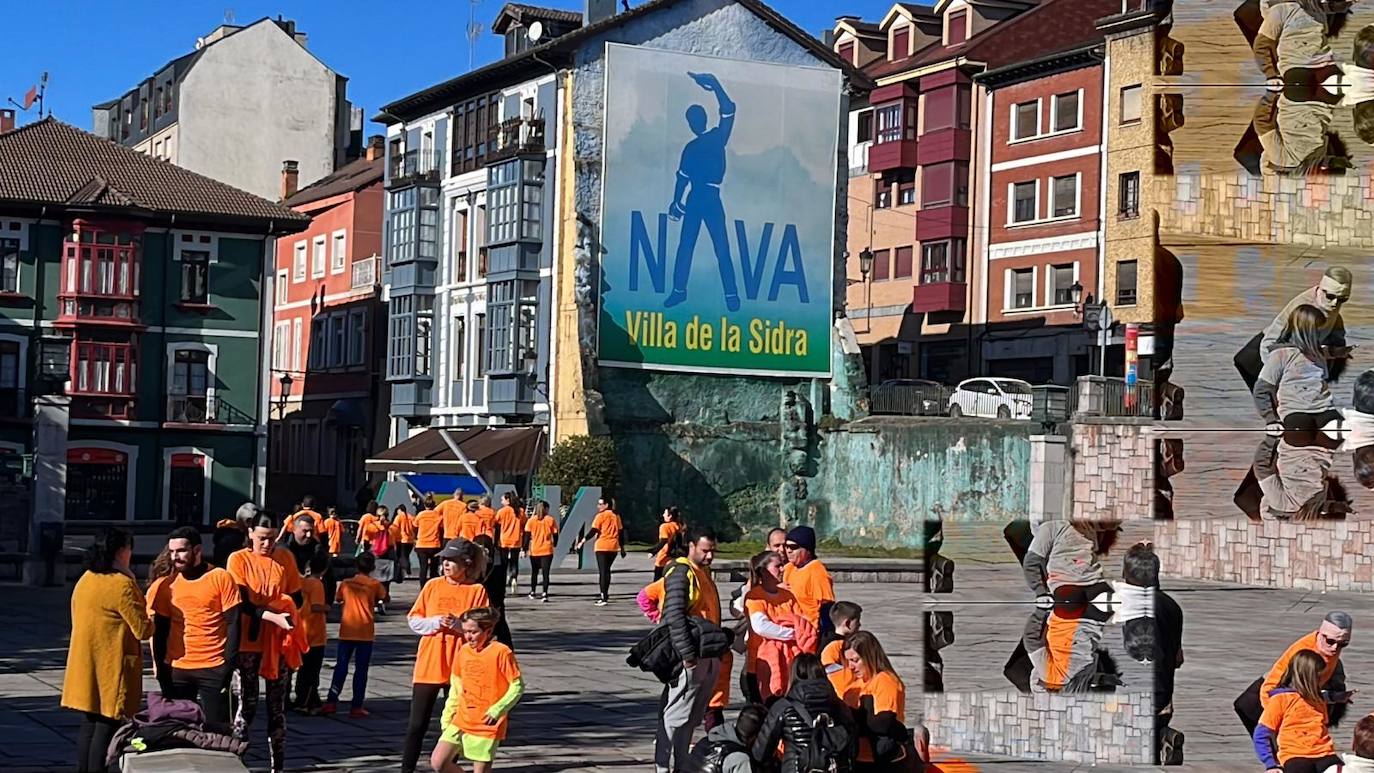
pixel 866 267
pixel 1076 295
pixel 286 381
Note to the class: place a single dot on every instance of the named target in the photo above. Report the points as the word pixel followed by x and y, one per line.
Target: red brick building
pixel 328 401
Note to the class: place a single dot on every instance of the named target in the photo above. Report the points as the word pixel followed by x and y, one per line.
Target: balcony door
pixel 190 386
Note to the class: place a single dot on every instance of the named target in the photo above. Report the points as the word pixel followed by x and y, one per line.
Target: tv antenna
pixel 474 31
pixel 228 15
pixel 34 95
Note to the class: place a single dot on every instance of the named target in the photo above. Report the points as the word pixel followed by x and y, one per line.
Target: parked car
pixel 910 397
pixel 991 398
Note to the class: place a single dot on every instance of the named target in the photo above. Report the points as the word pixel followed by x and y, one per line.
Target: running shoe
pixel 544 598
pixel 328 709
pixel 358 713
pixel 601 602
pixel 532 595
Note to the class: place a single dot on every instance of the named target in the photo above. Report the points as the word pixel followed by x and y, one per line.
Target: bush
pixel 581 461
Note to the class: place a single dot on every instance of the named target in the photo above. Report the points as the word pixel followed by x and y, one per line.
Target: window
pixel 901 43
pixel 889 123
pixel 190 384
pixel 424 317
pixel 906 187
pixel 157 103
pixel 1024 202
pixel 298 263
pixel 1130 104
pixel 937 185
pixel 296 327
pixel 317 258
pixel 402 231
pixel 1129 192
pixel 9 265
pixel 319 342
pixel 481 345
pixel 458 331
pixel 10 397
pixel 100 263
pixel 97 485
pixel 942 262
pixel 480 229
pixel 1023 288
pixel 963 106
pixel 1064 112
pixel 880 271
pixel 460 241
pixel 1125 283
pixel 283 289
pixel 941 107
pixel 473 122
pixel 428 246
pixel 865 127
pixel 958 27
pixel 339 257
pixel 103 369
pixel 500 324
pixel 186 489
pixel 338 340
pixel 195 276
pixel 402 336
pixel 882 193
pixel 901 263
pixel 1061 279
pixel 846 52
pixel 1025 120
pixel 1065 196
pixel 281 346
pixel 357 337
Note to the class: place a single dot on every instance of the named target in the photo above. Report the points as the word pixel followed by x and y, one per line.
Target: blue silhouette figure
pixel 703 169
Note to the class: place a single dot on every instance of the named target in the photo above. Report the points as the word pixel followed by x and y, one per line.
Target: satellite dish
pixel 535 32
pixel 200 43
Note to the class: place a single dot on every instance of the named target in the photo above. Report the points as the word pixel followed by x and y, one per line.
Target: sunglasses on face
pixel 1334 298
pixel 791 546
pixel 1337 643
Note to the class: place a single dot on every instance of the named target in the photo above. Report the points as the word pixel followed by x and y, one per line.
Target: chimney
pixel 290 175
pixel 376 147
pixel 6 120
pixel 597 10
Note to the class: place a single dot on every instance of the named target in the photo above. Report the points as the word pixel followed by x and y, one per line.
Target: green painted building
pixel 137 289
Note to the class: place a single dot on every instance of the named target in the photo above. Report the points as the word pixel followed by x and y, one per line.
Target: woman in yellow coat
pixel 104 677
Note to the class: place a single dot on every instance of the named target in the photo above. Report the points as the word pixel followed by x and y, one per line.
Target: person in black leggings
pixel 541 534
pixel 606 530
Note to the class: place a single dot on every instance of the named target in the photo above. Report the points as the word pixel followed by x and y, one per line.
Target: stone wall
pixel 1318 211
pixel 1113 469
pixel 1321 556
pixel 1114 729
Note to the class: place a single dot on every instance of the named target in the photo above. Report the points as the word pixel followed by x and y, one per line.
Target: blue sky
pixel 94 51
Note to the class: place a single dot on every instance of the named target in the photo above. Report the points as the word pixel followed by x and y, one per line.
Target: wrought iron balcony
pixel 199 409
pixel 365 273
pixel 415 166
pixel 514 136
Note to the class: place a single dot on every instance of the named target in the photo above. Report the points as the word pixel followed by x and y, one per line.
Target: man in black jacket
pixel 688 591
pixel 304 544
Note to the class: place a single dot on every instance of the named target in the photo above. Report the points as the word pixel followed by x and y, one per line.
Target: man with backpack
pixel 726 748
pixel 688 591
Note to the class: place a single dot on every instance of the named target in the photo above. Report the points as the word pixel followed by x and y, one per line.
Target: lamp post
pixel 286 381
pixel 866 267
pixel 1076 295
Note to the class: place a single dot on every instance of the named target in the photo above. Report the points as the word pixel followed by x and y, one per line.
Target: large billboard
pixel 718 214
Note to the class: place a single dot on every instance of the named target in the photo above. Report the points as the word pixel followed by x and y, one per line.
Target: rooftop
pixel 519 12
pixel 50 162
pixel 353 176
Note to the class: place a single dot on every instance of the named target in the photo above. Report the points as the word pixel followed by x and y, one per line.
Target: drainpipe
pixel 158 465
pixel 985 265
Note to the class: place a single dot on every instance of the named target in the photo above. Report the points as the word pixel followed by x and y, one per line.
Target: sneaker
pixel 544 598
pixel 532 595
pixel 328 709
pixel 602 602
pixel 358 713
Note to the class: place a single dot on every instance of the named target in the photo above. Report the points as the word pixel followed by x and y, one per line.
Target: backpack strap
pixel 693 587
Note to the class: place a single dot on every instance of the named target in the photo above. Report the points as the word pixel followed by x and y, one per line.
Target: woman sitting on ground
pixel 879 707
pixel 792 721
pixel 1293 735
pixel 1294 386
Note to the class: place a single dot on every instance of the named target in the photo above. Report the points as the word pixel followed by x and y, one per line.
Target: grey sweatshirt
pixel 1059 555
pixel 1288 383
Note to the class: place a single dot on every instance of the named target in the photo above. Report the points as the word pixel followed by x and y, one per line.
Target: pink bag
pixel 381 543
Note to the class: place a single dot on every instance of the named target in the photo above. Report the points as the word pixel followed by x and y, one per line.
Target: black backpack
pixel 830 746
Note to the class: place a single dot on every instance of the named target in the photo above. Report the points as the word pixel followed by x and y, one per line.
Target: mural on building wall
pixel 718 214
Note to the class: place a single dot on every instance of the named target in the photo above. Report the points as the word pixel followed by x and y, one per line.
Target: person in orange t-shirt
pixel 485 686
pixel 332 529
pixel 470 523
pixel 541 533
pixel 314 611
pixel 846 616
pixel 358 596
pixel 879 702
pixel 195 613
pixel 451 510
pixel 768 607
pixel 807 577
pixel 403 537
pixel 434 617
pixel 606 530
pixel 669 530
pixel 262 576
pixel 488 516
pixel 510 522
pixel 1328 641
pixel 307 507
pixel 429 535
pixel 1294 731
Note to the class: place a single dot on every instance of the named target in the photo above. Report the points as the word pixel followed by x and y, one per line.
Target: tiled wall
pixel 1317 211
pixel 1323 556
pixel 1113 469
pixel 1106 729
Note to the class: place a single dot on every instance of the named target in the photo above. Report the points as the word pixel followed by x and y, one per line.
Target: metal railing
pixel 199 409
pixel 365 272
pixel 993 406
pixel 910 399
pixel 858 159
pixel 1109 396
pixel 416 166
pixel 514 136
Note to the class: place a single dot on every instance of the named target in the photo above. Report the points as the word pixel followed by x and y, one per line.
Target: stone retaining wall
pixel 1321 556
pixel 1113 469
pixel 1112 729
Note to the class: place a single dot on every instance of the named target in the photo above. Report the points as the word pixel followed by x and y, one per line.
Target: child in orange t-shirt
pixel 358 595
pixel 1294 731
pixel 429 535
pixel 332 529
pixel 485 686
pixel 668 532
pixel 846 617
pixel 403 537
pixel 313 611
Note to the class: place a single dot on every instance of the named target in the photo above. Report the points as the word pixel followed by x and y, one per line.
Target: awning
pixel 498 453
pixel 347 412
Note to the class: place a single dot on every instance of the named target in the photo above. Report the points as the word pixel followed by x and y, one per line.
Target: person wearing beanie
pixel 1332 636
pixel 807 577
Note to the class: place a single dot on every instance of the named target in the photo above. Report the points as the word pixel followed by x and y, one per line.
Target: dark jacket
pixel 786 724
pixel 303 553
pixel 719 752
pixel 656 654
pixel 677 593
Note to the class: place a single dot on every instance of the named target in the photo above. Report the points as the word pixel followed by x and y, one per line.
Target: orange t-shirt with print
pixel 1301 728
pixel 403 529
pixel 316 622
pixel 668 532
pixel 196 610
pixel 608 527
pixel 440 596
pixel 1308 642
pixel 332 529
pixel 773 607
pixel 265 579
pixel 812 586
pixel 486 676
pixel 474 522
pixel 542 530
pixel 429 529
pixel 450 510
pixel 359 595
pixel 512 530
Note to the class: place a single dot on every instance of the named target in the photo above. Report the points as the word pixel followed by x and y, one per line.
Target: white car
pixel 991 398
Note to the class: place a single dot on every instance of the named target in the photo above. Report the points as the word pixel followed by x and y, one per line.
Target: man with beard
pixel 303 544
pixel 196 626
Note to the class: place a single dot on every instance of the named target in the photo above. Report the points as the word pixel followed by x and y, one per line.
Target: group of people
pixel 819 692
pixel 260 616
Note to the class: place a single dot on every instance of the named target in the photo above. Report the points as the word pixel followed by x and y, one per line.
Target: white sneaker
pixel 544 598
pixel 601 602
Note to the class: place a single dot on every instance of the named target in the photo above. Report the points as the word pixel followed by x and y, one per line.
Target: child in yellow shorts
pixel 485 686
